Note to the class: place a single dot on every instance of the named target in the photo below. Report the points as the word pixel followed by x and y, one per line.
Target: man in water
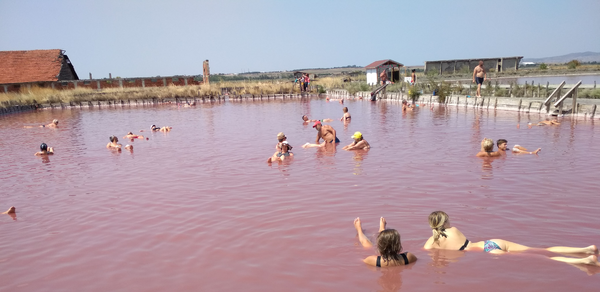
pixel 487 149
pixel 479 76
pixel 130 135
pixel 54 124
pixel 359 143
pixel 11 210
pixel 502 148
pixel 306 120
pixel 325 132
pixel 45 150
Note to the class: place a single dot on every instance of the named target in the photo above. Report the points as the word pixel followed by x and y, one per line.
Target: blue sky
pixel 151 38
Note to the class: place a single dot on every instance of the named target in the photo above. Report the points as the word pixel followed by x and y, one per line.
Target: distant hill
pixel 581 57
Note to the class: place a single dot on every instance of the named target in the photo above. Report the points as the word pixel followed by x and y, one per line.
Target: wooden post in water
pixel 547 84
pixel 525 90
pixel 574 97
pixel 593 111
pixel 538 95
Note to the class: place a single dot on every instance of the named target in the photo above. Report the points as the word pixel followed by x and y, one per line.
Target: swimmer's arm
pixel 429 243
pixel 50 150
pixel 370 260
pixel 327 120
pixel 474 70
pixel 318 137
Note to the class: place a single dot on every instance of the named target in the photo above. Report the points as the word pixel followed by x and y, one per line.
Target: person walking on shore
pixel 479 76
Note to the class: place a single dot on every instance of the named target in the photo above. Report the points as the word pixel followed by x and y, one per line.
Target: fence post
pixel 525 90
pixel 547 84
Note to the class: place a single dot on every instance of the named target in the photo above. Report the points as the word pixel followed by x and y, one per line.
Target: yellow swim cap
pixel 357 135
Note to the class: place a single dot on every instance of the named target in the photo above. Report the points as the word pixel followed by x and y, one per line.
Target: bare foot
pixel 358 225
pixel 382 224
pixel 591 260
pixel 537 151
pixel 269 160
pixel 592 249
pixel 11 210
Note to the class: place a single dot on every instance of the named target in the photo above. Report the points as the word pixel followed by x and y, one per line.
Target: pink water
pixel 198 209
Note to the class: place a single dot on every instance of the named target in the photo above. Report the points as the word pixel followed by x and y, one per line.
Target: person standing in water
pixel 479 76
pixel 346 116
pixel 45 150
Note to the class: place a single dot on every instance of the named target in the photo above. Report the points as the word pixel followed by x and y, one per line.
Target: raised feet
pixel 382 224
pixel 537 151
pixel 591 260
pixel 592 249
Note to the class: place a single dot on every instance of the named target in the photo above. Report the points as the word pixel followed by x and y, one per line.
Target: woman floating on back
pixel 449 237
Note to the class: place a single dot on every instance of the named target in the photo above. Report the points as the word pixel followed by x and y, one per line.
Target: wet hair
pixel 437 220
pixel 303 117
pixel 43 147
pixel 500 142
pixel 389 246
pixel 488 144
pixel 130 133
pixel 113 138
pixel 345 109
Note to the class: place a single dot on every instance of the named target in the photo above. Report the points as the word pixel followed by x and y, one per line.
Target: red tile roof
pixel 30 66
pixel 382 62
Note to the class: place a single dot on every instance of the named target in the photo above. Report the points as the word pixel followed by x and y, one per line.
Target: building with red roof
pixel 37 67
pixel 388 67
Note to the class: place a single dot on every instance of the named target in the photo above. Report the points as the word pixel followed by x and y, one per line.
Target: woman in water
pixel 449 237
pixel 359 143
pixel 113 143
pixel 487 149
pixel 285 152
pixel 130 135
pixel 346 116
pixel 388 245
pixel 45 150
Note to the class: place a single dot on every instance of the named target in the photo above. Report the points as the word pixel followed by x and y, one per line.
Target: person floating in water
pixel 306 120
pixel 359 143
pixel 546 123
pixel 502 148
pixel 130 135
pixel 346 116
pixel 11 210
pixel 280 138
pixel 283 154
pixel 388 245
pixel 114 143
pixel 487 149
pixel 45 150
pixel 448 237
pixel 129 147
pixel 325 132
pixel 54 124
pixel 406 106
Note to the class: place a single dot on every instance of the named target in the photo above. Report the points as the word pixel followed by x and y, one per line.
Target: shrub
pixel 414 93
pixel 543 66
pixel 573 64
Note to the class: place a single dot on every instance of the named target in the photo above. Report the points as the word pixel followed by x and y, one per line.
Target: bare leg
pixel 382 224
pixel 308 145
pixel 361 235
pixel 11 210
pixel 508 246
pixel 591 260
pixel 592 249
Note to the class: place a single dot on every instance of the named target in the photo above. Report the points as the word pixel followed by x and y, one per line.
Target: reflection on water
pixel 201 207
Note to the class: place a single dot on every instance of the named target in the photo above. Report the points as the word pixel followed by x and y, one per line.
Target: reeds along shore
pixel 37 95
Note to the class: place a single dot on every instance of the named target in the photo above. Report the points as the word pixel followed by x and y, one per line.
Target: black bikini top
pixel 378 264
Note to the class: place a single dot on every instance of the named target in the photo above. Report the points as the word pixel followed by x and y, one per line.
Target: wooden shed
pixel 391 67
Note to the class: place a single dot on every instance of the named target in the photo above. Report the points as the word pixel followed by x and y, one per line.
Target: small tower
pixel 206 72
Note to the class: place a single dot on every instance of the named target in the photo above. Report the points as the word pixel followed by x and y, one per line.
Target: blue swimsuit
pixel 490 245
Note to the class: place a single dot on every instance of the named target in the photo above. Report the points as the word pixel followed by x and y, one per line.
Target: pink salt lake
pixel 198 209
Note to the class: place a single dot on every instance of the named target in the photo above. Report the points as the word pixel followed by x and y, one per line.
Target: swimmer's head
pixel 305 118
pixel 43 147
pixel 317 125
pixel 55 121
pixel 113 139
pixel 345 109
pixel 389 245
pixel 129 147
pixel 281 136
pixel 153 127
pixel 286 146
pixel 357 136
pixel 487 144
pixel 437 222
pixel 501 144
pixel 130 133
pixel 404 102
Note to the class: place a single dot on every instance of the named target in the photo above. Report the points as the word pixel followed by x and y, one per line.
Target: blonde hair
pixel 488 144
pixel 437 220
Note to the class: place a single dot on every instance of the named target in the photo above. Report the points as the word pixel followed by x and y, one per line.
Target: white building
pixel 389 66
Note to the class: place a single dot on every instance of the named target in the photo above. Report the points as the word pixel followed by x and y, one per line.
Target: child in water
pixel 45 150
